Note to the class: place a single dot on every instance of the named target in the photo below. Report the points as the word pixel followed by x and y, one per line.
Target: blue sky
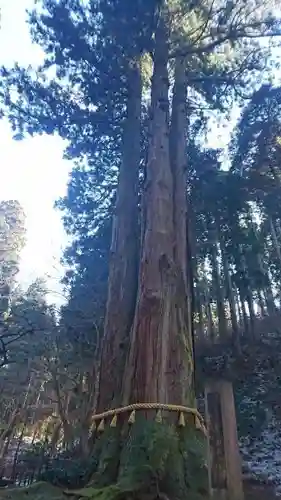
pixel 32 171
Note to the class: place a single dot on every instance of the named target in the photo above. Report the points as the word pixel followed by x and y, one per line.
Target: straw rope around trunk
pixel 182 410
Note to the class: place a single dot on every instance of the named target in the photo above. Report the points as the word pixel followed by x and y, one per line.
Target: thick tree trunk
pixel 155 456
pixel 183 250
pixel 160 360
pixel 122 285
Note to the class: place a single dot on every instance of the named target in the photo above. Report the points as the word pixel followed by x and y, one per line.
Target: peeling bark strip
pixel 122 285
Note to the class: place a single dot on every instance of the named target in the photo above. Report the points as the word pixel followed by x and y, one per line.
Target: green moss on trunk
pixel 150 458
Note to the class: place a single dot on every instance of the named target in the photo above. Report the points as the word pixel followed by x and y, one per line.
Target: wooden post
pixel 225 468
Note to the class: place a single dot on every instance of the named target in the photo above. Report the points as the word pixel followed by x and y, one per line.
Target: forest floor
pixel 253 489
pixel 257 491
pixel 42 491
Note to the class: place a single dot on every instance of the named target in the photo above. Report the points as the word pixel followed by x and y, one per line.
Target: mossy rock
pixel 37 491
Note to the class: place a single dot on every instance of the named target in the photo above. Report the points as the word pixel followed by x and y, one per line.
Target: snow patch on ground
pixel 262 455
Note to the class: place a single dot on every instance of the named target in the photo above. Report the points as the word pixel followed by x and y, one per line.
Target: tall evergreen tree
pixel 95 102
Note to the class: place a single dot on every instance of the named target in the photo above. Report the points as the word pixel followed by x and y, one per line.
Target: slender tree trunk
pixel 267 287
pixel 4 453
pixel 62 406
pixel 211 327
pixel 208 310
pixel 261 303
pixel 244 315
pixel 247 296
pixel 197 302
pixel 238 309
pixel 122 285
pixel 19 444
pixel 278 229
pixel 55 437
pixel 219 295
pixel 252 315
pixel 269 299
pixel 274 239
pixel 10 428
pixel 231 299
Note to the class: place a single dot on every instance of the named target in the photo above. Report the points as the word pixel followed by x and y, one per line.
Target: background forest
pixel 50 358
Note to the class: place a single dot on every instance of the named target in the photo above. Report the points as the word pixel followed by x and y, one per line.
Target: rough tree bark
pixel 156 369
pixel 152 456
pixel 122 284
pixel 199 310
pixel 178 159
